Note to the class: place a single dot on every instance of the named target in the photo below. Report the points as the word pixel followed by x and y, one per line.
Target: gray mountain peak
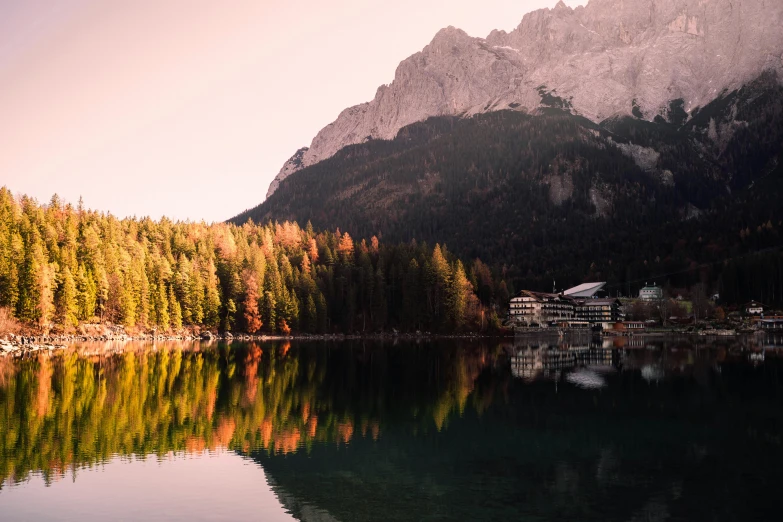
pixel 598 61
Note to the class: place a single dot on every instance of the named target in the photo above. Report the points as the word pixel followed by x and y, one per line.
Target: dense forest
pixel 687 199
pixel 61 266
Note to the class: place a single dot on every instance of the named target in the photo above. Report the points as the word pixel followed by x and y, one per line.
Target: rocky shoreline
pixel 20 345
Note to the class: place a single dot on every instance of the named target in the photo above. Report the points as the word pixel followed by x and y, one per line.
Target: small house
pixel 651 293
pixel 753 308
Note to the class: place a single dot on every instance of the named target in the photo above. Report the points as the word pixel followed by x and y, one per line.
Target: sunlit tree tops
pixel 62 265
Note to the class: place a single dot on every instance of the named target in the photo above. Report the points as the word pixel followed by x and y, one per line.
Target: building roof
pixel 653 287
pixel 535 295
pixel 585 290
pixel 598 302
pixel 544 296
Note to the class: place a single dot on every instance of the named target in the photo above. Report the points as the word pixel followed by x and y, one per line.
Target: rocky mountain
pixel 547 194
pixel 651 58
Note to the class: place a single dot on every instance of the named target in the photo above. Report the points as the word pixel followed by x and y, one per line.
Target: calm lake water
pixel 534 429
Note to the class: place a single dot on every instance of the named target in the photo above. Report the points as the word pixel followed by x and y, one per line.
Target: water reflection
pixel 639 428
pixel 75 410
pixel 585 357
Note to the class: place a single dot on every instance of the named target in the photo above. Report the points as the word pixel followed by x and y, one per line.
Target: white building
pixel 599 310
pixel 538 308
pixel 651 293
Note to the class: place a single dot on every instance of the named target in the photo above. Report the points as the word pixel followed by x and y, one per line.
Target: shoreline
pixel 21 345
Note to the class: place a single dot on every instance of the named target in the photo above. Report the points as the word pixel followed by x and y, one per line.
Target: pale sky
pixel 188 108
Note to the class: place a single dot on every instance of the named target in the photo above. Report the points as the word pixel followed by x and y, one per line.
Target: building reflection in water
pixel 584 359
pixel 551 360
pixel 554 429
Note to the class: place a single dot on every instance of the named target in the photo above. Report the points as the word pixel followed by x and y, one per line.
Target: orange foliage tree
pixel 251 313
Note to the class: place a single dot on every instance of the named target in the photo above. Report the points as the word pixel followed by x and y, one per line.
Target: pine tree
pixel 175 311
pixel 379 300
pixel 310 316
pixel 182 287
pixel 322 313
pixel 67 303
pixel 212 297
pixel 292 310
pixel 231 309
pixel 196 295
pixel 140 288
pixel 9 274
pixel 458 293
pixel 46 281
pixel 438 279
pixel 127 302
pixel 411 296
pixel 269 309
pixel 161 306
pixel 64 265
pixel 87 293
pixel 29 291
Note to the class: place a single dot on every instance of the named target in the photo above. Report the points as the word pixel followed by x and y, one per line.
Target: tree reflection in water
pixel 558 429
pixel 67 410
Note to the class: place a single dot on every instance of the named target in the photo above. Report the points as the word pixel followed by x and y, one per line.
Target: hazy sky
pixel 188 108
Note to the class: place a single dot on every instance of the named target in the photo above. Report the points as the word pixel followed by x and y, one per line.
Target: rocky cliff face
pixel 293 164
pixel 611 57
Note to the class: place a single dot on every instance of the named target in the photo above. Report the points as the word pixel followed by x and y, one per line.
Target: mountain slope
pixel 551 194
pixel 612 57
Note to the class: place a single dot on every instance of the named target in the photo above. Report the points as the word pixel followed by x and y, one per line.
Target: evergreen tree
pixel 60 266
pixel 411 295
pixel 311 316
pixel 162 317
pixel 458 294
pixel 87 294
pixel 379 300
pixel 211 297
pixel 269 309
pixel 175 311
pixel 67 303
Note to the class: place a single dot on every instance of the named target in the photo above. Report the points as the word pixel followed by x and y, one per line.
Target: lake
pixel 539 429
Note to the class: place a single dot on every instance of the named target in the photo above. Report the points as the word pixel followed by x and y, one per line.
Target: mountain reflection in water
pixel 446 430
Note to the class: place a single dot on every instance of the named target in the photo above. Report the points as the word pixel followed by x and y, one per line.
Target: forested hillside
pixel 683 200
pixel 62 265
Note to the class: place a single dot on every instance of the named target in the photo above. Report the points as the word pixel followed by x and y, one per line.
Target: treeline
pixel 756 277
pixel 62 265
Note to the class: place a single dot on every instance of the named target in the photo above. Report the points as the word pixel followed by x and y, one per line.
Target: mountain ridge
pixel 549 194
pixel 608 58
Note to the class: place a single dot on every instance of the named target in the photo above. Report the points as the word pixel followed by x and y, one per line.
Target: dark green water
pixel 451 430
